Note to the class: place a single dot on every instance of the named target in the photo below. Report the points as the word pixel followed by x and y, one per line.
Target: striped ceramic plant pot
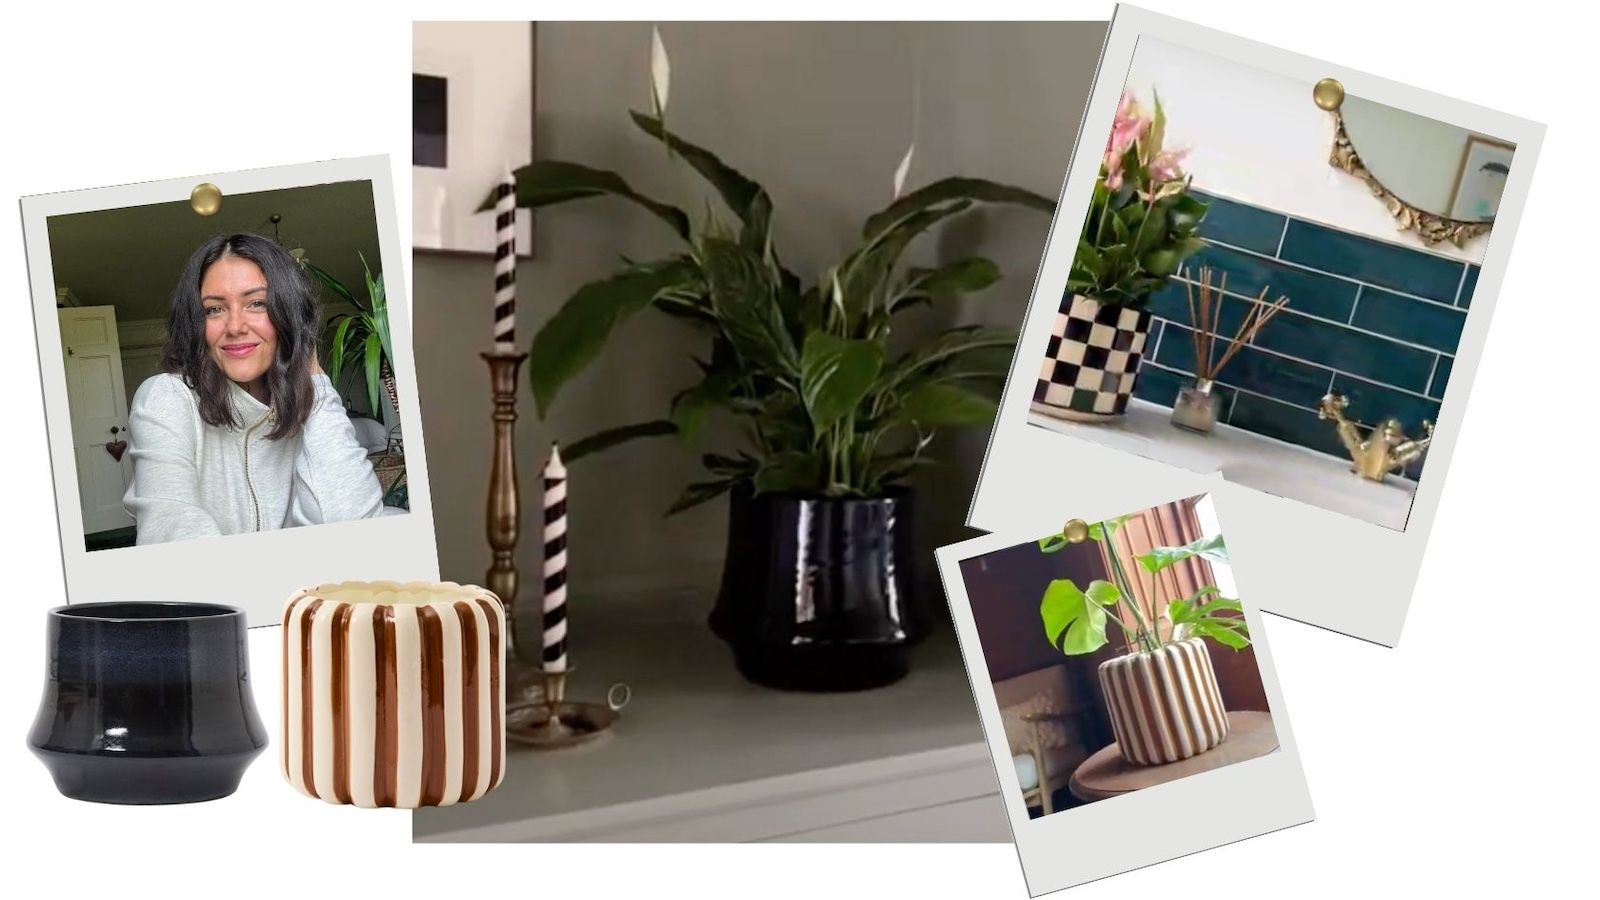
pixel 1164 705
pixel 1091 360
pixel 392 693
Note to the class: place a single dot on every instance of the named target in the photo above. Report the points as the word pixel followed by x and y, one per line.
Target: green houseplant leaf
pixel 743 196
pixel 548 182
pixel 946 190
pixel 575 334
pixel 835 374
pixel 1162 558
pixel 939 405
pixel 743 297
pixel 1075 620
pixel 611 437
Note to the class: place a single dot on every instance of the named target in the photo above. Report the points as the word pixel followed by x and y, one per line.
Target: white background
pixel 1456 765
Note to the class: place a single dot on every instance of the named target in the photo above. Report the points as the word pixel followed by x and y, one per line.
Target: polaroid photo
pixel 1124 688
pixel 1274 268
pixel 229 392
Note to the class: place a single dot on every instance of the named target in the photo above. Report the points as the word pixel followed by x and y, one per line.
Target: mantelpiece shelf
pixel 702 755
pixel 1243 457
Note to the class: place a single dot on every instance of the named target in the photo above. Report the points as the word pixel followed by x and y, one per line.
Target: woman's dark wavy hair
pixel 294 310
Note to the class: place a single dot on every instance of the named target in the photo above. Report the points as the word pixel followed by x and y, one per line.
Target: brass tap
pixel 1385 449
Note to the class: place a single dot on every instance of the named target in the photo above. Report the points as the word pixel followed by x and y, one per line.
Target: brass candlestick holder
pixel 503 521
pixel 555 722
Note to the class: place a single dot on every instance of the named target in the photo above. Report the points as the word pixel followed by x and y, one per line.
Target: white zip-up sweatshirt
pixel 195 480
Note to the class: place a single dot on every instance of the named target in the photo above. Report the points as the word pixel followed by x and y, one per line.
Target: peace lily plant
pixel 1075 618
pixel 823 405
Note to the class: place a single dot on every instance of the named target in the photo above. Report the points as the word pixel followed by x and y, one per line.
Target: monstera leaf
pixel 1075 620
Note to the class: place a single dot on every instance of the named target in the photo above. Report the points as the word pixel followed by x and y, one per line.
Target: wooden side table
pixel 1106 774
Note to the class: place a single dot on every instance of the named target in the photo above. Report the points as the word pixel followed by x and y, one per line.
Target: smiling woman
pixel 242 431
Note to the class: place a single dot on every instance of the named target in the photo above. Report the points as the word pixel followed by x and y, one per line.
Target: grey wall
pixel 820 114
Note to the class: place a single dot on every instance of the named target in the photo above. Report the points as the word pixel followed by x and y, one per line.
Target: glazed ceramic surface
pixel 147 702
pixel 816 592
pixel 1164 705
pixel 1091 360
pixel 393 694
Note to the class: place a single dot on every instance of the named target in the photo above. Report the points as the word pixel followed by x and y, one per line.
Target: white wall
pixel 1257 137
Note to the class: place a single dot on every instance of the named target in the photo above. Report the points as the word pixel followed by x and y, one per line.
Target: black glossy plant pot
pixel 816 592
pixel 147 702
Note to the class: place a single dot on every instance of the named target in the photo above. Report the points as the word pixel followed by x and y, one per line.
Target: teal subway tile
pixel 1338 347
pixel 1251 369
pixel 1469 284
pixel 1309 292
pixel 1371 403
pixel 1240 224
pixel 1286 423
pixel 1372 261
pixel 1441 377
pixel 1158 385
pixel 1409 319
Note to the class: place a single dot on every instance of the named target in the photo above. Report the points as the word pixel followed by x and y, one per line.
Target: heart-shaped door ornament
pixel 116 449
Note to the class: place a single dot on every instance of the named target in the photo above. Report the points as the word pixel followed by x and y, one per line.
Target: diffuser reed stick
pixel 1205 320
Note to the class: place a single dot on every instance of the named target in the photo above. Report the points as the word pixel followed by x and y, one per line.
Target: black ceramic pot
pixel 147 702
pixel 816 592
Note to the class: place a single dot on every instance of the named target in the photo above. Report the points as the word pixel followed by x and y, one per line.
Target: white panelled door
pixel 98 405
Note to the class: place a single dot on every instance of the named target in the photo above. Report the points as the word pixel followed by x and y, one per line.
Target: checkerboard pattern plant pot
pixel 1092 360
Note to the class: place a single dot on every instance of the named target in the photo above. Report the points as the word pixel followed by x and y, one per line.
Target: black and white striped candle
pixel 555 563
pixel 505 264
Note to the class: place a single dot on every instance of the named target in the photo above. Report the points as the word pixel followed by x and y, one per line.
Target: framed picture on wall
pixel 1485 163
pixel 472 117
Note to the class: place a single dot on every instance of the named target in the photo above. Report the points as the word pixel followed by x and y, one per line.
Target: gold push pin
pixel 1076 531
pixel 206 199
pixel 1328 94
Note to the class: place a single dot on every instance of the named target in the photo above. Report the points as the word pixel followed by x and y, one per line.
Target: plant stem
pixel 1127 590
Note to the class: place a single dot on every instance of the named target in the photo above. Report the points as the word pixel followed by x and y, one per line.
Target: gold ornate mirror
pixel 1442 181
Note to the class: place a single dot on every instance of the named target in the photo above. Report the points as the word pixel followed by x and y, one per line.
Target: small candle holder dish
pixel 554 722
pixel 147 703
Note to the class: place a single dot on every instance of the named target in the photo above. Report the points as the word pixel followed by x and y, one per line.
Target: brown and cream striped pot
pixel 1164 705
pixel 392 693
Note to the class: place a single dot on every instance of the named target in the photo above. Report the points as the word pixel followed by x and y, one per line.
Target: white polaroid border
pixel 1072 846
pixel 1291 538
pixel 257 572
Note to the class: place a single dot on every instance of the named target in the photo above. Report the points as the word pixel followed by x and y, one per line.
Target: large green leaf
pixel 575 334
pixel 835 374
pixel 742 195
pixel 964 276
pixel 948 350
pixel 374 357
pixel 946 190
pixel 939 405
pixel 1075 620
pixel 611 437
pixel 1162 558
pixel 700 492
pixel 864 274
pixel 332 283
pixel 745 301
pixel 548 182
pixel 690 407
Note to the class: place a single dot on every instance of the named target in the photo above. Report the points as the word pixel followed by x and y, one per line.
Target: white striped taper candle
pixel 392 693
pixel 555 563
pixel 505 264
pixel 1164 705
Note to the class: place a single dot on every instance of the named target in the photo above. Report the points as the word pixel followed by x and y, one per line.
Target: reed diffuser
pixel 1196 406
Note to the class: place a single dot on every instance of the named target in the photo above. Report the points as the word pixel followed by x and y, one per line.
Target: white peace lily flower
pixel 660 71
pixel 903 170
